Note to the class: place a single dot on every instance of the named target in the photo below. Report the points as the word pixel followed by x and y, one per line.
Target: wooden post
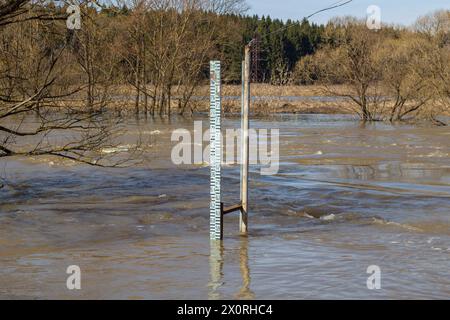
pixel 243 220
pixel 242 126
pixel 216 206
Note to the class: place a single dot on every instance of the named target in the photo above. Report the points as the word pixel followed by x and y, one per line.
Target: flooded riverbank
pixel 347 196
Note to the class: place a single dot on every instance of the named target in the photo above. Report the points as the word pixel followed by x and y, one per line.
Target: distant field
pixel 266 99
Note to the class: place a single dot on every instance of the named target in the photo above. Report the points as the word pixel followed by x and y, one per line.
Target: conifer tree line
pixel 281 45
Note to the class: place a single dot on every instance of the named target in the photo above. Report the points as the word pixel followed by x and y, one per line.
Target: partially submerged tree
pixel 406 90
pixel 348 60
pixel 167 47
pixel 392 74
pixel 55 83
pixel 35 116
pixel 435 29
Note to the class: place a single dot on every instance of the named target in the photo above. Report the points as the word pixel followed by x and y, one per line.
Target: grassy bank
pixel 266 99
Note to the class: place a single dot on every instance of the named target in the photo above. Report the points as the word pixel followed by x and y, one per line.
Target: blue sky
pixel 392 11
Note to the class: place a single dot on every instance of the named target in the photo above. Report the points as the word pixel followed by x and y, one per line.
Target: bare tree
pixel 393 74
pixel 169 43
pixel 349 60
pixel 16 11
pixel 34 117
pixel 406 89
pixel 435 28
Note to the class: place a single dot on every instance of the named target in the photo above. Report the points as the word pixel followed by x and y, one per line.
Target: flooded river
pixel 347 196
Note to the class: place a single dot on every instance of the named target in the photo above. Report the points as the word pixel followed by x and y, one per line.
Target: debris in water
pixel 329 217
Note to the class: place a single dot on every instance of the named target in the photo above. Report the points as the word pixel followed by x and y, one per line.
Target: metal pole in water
pixel 243 220
pixel 216 220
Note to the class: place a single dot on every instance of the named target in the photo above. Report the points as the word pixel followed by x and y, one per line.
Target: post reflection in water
pixel 245 292
pixel 216 262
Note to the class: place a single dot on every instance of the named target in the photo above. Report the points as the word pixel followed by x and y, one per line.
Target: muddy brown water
pixel 346 197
